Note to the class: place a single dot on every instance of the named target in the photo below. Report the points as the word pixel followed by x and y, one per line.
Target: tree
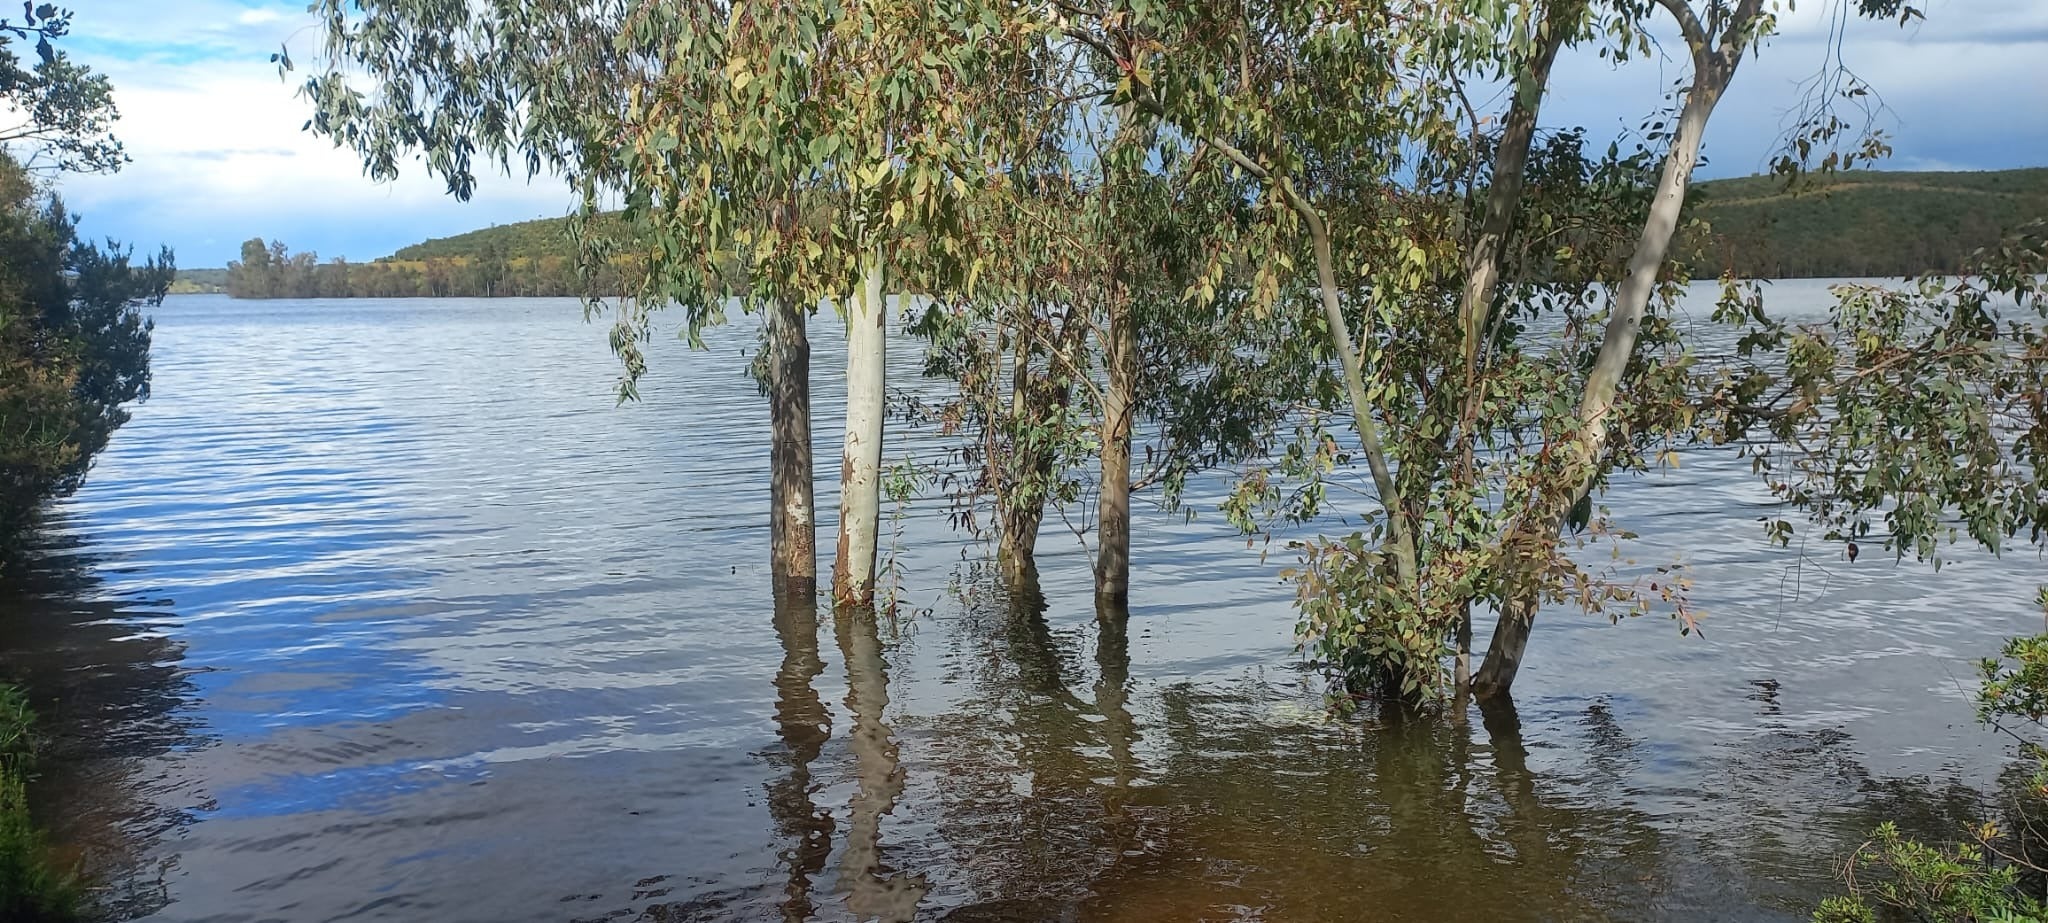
pixel 252 276
pixel 74 346
pixel 1376 174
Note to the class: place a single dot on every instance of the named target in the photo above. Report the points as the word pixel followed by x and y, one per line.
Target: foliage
pixel 74 345
pixel 1859 223
pixel 1073 256
pixel 31 889
pixel 1917 415
pixel 1298 205
pixel 1953 884
pixel 721 131
pixel 61 113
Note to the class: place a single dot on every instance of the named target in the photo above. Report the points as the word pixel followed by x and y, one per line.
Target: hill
pixel 1860 223
pixel 525 240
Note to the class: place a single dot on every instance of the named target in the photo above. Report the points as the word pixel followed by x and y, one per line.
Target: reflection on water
pixel 108 682
pixel 873 891
pixel 805 726
pixel 382 611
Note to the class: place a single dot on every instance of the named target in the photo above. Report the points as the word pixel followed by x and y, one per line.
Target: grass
pixel 32 889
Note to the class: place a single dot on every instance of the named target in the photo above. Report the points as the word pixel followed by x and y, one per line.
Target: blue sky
pixel 220 157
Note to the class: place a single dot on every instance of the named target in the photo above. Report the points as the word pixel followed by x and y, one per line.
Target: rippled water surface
pixel 384 611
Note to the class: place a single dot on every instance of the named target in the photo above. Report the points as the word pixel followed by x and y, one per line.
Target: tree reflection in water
pixel 804 726
pixel 108 688
pixel 873 891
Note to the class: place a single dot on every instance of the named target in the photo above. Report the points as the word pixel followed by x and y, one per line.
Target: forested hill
pixel 526 240
pixel 1862 223
pixel 1847 224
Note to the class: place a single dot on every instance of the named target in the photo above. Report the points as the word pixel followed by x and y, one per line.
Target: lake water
pixel 382 610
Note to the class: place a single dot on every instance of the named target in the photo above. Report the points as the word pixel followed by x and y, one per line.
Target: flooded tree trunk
pixel 860 473
pixel 1713 68
pixel 1020 491
pixel 1113 531
pixel 1112 702
pixel 792 515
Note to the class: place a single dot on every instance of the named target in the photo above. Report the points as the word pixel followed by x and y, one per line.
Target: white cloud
pixel 1963 87
pixel 219 153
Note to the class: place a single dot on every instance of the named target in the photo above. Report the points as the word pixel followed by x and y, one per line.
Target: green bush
pixel 32 889
pixel 74 346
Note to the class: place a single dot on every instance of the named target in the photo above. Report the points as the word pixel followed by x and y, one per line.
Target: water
pixel 384 611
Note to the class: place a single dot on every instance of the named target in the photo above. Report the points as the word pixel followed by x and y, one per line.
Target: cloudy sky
pixel 219 156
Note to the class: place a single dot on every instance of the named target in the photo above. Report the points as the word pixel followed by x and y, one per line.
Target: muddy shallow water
pixel 381 610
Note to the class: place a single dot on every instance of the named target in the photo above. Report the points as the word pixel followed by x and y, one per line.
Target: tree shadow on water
pixel 110 693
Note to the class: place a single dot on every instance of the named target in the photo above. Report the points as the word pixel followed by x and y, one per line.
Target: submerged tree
pixel 1495 306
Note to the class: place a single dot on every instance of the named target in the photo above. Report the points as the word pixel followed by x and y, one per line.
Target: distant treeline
pixel 1860 223
pixel 273 271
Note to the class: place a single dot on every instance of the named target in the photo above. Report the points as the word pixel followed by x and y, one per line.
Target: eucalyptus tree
pixel 1503 354
pixel 803 141
pixel 1077 346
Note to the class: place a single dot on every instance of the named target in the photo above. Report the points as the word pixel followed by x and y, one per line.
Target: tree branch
pixel 1696 38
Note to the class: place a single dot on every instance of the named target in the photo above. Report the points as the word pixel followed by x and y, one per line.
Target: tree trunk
pixel 1112 702
pixel 1510 159
pixel 1482 266
pixel 860 473
pixel 1586 456
pixel 1404 549
pixel 792 509
pixel 1020 478
pixel 1113 531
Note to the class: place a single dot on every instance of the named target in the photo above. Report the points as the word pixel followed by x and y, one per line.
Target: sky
pixel 220 155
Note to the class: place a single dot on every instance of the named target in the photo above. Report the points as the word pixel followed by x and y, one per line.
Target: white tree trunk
pixel 860 476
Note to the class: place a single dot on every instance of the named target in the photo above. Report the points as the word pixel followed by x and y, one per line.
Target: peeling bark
pixel 792 515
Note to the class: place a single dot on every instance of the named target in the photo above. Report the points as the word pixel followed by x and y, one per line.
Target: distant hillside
pixel 1862 223
pixel 199 281
pixel 526 240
